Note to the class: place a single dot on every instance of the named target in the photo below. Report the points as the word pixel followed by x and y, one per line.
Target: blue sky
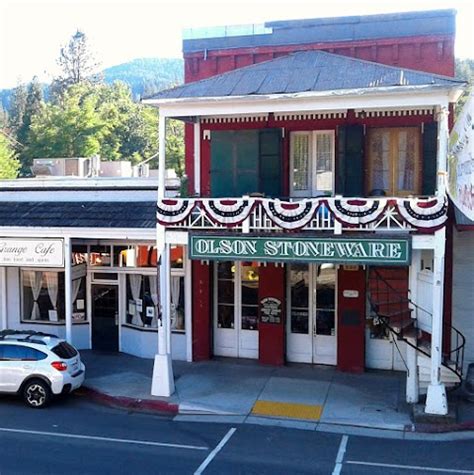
pixel 32 31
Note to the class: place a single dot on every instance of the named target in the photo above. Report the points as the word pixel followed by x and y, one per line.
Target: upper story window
pixel 393 156
pixel 312 163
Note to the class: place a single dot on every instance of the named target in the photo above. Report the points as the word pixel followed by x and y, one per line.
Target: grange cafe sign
pixel 31 252
pixel 394 251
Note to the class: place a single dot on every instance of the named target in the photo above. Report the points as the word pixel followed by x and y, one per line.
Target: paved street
pixel 74 436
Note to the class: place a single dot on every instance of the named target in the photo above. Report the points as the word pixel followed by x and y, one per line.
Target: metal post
pixel 436 402
pixel 68 288
pixel 162 157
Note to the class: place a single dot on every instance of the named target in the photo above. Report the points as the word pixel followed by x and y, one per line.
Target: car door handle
pixel 26 366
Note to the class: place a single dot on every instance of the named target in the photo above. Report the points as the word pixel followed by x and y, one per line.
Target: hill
pixel 145 76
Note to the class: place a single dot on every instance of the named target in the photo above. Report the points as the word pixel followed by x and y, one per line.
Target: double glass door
pixel 311 322
pixel 236 309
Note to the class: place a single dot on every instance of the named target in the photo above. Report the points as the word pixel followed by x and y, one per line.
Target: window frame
pixel 312 191
pixel 394 161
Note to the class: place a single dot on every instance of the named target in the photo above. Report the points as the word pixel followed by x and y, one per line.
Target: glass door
pixel 236 309
pixel 311 323
pixel 105 317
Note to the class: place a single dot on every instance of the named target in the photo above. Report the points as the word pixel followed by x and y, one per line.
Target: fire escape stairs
pixel 392 308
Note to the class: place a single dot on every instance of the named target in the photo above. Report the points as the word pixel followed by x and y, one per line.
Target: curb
pixel 123 402
pixel 444 428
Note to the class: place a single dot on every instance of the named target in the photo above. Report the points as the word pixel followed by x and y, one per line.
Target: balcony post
pixel 197 158
pixel 163 380
pixel 442 149
pixel 68 287
pixel 436 402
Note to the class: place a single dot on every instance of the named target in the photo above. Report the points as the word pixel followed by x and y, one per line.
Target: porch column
pixel 412 389
pixel 436 402
pixel 442 149
pixel 4 295
pixel 68 288
pixel 197 158
pixel 163 380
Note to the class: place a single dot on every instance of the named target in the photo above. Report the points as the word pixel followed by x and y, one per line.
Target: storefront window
pixel 250 279
pixel 100 256
pixel 299 285
pixel 142 301
pixel 43 297
pixel 177 257
pixel 177 302
pixel 325 299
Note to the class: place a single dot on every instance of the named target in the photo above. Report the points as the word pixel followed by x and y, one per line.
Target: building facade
pixel 317 222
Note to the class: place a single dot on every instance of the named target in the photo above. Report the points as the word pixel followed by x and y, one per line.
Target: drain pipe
pixel 3 278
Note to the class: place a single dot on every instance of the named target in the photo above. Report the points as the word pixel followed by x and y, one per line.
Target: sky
pixel 33 31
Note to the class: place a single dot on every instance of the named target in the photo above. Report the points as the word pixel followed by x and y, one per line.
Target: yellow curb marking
pixel 287 409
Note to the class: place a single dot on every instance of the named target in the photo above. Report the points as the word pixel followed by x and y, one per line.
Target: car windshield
pixel 64 350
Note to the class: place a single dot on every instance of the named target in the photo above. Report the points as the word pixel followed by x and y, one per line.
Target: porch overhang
pixel 393 97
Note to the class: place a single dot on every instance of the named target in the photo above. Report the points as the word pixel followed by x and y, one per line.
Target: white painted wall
pixel 463 289
pixel 424 300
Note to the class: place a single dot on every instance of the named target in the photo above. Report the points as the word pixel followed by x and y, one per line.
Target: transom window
pixel 394 161
pixel 312 163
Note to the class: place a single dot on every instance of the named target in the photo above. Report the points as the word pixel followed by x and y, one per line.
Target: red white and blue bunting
pixel 290 215
pixel 356 211
pixel 173 211
pixel 229 211
pixel 424 213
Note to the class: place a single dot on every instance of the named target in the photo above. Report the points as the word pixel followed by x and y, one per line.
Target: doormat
pixel 288 409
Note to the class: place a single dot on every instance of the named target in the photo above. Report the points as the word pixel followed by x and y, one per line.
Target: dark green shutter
pixel 430 133
pixel 270 162
pixel 350 161
pixel 234 163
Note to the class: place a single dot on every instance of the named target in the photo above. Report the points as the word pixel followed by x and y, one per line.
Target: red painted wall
pixel 271 336
pixel 202 311
pixel 351 321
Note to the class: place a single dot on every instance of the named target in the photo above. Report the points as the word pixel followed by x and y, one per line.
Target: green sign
pixel 387 251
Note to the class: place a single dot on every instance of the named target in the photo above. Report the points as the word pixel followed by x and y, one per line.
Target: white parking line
pixel 103 439
pixel 218 448
pixel 340 455
pixel 409 467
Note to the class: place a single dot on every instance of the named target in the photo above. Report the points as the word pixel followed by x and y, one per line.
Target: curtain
pixel 76 285
pixel 36 279
pixel 380 147
pixel 135 286
pixel 52 284
pixel 154 297
pixel 175 291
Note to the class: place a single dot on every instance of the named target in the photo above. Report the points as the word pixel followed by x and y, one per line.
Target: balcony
pixel 334 214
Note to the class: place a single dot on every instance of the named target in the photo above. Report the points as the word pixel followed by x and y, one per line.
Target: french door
pixel 311 322
pixel 236 309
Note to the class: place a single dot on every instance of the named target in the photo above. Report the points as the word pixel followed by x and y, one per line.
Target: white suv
pixel 37 365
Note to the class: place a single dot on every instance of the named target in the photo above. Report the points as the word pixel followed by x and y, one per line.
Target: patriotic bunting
pixel 229 212
pixel 356 211
pixel 290 215
pixel 424 213
pixel 173 211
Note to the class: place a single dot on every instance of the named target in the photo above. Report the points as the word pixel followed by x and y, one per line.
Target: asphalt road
pixel 76 437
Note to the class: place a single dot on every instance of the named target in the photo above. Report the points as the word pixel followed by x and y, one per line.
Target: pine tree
pixel 17 107
pixel 9 165
pixel 78 65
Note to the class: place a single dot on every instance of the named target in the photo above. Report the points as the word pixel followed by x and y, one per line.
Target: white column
pixel 197 157
pixel 442 149
pixel 412 389
pixel 163 381
pixel 3 279
pixel 68 288
pixel 188 308
pixel 436 402
pixel 161 156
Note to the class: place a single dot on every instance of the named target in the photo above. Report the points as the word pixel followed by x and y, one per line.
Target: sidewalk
pixel 243 390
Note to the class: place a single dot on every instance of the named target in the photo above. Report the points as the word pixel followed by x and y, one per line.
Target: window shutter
pixel 350 158
pixel 270 162
pixel 429 158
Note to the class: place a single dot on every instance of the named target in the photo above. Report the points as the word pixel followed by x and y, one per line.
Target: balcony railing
pixel 335 214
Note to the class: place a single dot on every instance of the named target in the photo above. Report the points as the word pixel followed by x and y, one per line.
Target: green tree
pixel 9 165
pixel 78 65
pixel 17 107
pixel 175 146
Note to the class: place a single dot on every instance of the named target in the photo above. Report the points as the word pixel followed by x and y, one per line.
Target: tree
pixel 175 146
pixel 17 107
pixel 9 165
pixel 77 63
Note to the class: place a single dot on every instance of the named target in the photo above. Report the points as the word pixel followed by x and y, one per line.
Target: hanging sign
pixel 461 161
pixel 392 251
pixel 31 252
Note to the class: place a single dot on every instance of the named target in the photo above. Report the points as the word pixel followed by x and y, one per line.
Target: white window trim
pixel 313 137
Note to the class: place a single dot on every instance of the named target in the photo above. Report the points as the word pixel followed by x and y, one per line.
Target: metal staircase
pixel 399 314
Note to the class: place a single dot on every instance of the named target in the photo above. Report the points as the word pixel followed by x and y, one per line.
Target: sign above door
pixel 31 252
pixel 372 251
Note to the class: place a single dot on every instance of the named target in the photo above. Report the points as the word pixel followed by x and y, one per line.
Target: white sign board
pixel 461 161
pixel 31 252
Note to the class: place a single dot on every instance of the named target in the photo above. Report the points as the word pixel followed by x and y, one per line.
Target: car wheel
pixel 36 394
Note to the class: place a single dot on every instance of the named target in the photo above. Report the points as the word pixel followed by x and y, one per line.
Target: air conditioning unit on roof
pixel 80 167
